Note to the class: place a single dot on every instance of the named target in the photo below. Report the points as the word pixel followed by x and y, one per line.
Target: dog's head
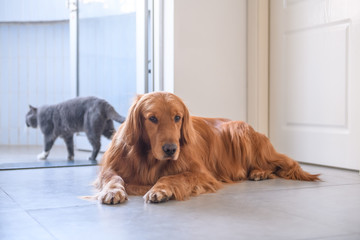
pixel 162 121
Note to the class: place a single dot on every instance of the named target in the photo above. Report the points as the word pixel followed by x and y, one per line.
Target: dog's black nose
pixel 169 149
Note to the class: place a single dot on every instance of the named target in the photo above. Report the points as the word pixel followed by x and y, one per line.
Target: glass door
pixel 107 55
pixel 107 51
pixel 54 52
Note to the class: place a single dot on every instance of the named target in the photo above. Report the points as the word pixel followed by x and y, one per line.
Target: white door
pixel 315 80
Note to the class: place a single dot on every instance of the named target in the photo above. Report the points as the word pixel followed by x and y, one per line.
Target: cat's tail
pixel 113 115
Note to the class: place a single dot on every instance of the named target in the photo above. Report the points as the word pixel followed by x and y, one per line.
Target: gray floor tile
pixel 6 203
pixel 333 175
pixel 329 177
pixel 198 218
pixel 339 237
pixel 46 202
pixel 48 188
pixel 334 206
pixel 18 225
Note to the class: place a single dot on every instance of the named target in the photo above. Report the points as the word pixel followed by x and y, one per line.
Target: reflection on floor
pixel 18 157
pixel 44 204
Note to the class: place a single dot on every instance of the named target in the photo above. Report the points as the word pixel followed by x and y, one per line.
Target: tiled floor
pixel 44 204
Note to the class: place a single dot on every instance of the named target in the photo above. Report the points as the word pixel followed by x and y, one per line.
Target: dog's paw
pixel 70 158
pixel 43 155
pixel 112 196
pixel 157 195
pixel 258 175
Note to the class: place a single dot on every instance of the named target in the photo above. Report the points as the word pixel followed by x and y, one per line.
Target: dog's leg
pixel 257 174
pixel 181 186
pixel 111 188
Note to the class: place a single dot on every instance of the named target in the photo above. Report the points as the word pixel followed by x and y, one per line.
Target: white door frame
pixel 156 33
pixel 74 46
pixel 141 46
pixel 258 65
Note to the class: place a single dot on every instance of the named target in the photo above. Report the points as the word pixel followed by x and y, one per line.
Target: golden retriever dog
pixel 163 152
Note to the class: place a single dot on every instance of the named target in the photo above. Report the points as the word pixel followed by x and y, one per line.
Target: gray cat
pixel 83 114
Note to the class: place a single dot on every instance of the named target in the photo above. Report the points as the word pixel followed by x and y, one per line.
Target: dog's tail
pixel 255 150
pixel 289 169
pixel 281 165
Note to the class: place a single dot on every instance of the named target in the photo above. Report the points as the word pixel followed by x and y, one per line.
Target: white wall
pixel 210 56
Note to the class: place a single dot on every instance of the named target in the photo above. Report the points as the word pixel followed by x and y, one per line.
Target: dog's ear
pixel 187 130
pixel 132 129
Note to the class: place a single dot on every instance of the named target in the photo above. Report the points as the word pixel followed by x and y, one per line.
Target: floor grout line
pixel 63 207
pixel 12 199
pixel 41 225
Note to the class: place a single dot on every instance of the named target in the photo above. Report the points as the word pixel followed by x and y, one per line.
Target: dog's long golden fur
pixel 164 153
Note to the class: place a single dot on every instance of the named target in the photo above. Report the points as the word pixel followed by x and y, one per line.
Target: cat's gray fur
pixel 83 114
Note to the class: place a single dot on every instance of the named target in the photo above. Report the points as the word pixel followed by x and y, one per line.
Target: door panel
pixel 314 81
pixel 307 103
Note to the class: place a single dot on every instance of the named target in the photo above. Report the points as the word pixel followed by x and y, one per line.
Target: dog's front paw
pixel 155 195
pixel 43 155
pixel 113 196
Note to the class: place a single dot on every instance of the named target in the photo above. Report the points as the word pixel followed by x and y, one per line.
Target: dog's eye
pixel 153 119
pixel 177 118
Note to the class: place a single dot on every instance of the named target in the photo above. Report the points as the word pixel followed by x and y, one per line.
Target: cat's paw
pixel 43 155
pixel 70 158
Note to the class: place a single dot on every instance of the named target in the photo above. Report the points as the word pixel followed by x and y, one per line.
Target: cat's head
pixel 31 117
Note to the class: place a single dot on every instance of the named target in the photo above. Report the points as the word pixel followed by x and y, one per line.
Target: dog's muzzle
pixel 169 149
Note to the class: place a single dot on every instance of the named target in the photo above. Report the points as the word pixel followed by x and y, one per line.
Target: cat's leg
pixel 94 125
pixel 94 140
pixel 69 141
pixel 48 143
pixel 109 129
